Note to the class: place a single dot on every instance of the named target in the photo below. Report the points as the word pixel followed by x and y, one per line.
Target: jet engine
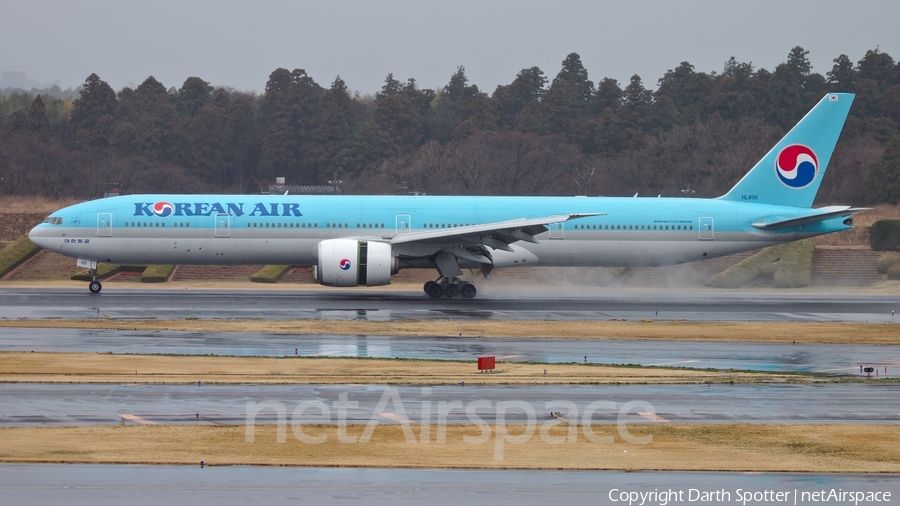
pixel 348 262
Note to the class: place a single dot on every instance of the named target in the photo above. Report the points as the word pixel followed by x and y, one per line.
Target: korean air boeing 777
pixel 363 240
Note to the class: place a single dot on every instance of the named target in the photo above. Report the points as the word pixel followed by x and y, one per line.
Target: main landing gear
pixel 450 288
pixel 94 286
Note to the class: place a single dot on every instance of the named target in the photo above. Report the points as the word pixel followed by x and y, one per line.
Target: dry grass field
pixel 28 205
pixel 21 367
pixel 762 332
pixel 695 447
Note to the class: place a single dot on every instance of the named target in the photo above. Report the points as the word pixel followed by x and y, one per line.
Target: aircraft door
pixel 104 224
pixel 403 224
pixel 557 230
pixel 223 225
pixel 706 228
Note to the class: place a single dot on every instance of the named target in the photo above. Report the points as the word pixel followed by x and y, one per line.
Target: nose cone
pixel 38 236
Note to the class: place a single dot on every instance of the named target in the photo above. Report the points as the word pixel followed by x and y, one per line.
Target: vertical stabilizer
pixel 791 172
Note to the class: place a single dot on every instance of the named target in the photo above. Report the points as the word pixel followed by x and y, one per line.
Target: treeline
pixel 696 132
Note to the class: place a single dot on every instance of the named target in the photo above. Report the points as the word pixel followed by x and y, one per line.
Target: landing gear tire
pixel 434 290
pixel 468 290
pixel 451 290
pixel 95 286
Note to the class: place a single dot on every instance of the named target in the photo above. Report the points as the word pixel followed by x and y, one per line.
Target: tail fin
pixel 791 172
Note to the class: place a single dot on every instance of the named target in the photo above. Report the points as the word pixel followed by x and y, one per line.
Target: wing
pixel 472 245
pixel 498 235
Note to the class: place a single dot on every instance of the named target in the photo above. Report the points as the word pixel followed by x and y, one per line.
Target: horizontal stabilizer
pixel 825 213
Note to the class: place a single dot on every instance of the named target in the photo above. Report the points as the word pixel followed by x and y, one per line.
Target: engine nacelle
pixel 348 262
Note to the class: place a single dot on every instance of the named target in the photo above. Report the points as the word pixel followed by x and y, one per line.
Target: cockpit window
pixel 53 220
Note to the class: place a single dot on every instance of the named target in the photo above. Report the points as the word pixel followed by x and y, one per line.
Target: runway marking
pixel 673 363
pixel 395 417
pixel 137 419
pixel 652 417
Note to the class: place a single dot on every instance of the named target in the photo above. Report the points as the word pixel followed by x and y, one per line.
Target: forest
pixel 696 134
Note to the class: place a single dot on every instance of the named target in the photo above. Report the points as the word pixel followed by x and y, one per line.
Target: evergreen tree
pixel 37 117
pixel 842 75
pixel 884 176
pixel 511 99
pixel 879 67
pixel 574 77
pixel 92 115
pixel 193 95
pixel 688 91
pixel 608 95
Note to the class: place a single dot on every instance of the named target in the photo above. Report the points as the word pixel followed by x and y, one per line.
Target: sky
pixel 239 43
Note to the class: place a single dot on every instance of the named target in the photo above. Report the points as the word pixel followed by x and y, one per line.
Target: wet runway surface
pixel 395 305
pixel 824 358
pixel 93 484
pixel 26 404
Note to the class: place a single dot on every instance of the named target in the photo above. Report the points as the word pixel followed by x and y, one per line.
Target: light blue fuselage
pixel 254 229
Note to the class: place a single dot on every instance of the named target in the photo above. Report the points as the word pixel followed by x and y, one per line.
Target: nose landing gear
pixel 450 288
pixel 94 286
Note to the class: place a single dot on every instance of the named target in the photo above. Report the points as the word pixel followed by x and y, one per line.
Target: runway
pixel 96 484
pixel 41 404
pixel 385 305
pixel 94 404
pixel 803 357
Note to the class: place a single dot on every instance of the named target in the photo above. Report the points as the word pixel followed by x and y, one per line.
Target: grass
pixel 762 332
pixel 16 254
pixel 854 448
pixel 886 261
pixel 33 205
pixel 270 274
pixel 790 264
pixel 157 273
pixel 103 270
pixel 107 270
pixel 182 369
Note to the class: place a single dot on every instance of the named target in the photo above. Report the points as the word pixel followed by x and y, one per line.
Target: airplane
pixel 363 240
